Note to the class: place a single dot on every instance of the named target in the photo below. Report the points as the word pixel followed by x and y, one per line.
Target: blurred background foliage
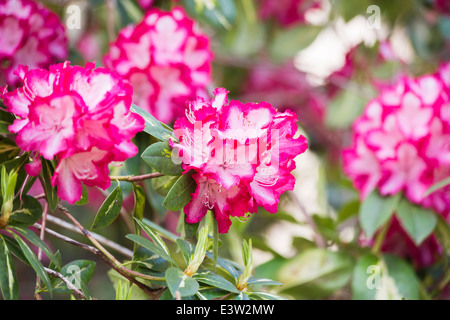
pixel 325 69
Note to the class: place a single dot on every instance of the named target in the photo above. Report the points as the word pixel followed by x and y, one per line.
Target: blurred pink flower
pixel 29 35
pixel 146 4
pixel 241 155
pixel 443 6
pixel 286 12
pixel 402 141
pixel 79 116
pixel 167 60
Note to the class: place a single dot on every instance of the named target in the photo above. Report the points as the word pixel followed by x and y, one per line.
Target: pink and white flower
pixel 241 154
pixel 167 60
pixel 401 143
pixel 287 12
pixel 80 117
pixel 30 35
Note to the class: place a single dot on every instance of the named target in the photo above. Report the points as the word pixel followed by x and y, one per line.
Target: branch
pixel 112 245
pixel 154 293
pixel 137 178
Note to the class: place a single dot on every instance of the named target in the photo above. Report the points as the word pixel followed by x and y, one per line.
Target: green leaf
pixel 78 272
pixel 109 210
pixel 178 281
pixel 218 13
pixel 162 185
pixel 441 184
pixel 254 281
pixel 150 246
pixel 287 43
pixel 376 211
pixel 187 249
pixel 8 149
pixel 315 273
pixel 210 293
pixel 418 222
pixel 385 278
pixel 216 281
pixel 344 109
pixel 34 239
pixel 6 119
pixel 154 236
pixel 45 177
pixel 26 212
pixel 34 262
pixel 167 234
pixel 180 193
pixel 241 296
pixel 84 197
pixel 8 278
pixel 135 292
pixel 227 265
pixel 149 260
pixel 159 156
pixel 152 126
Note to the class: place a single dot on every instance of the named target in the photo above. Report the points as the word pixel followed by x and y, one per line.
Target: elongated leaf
pixel 8 278
pixel 167 234
pixel 215 281
pixel 315 273
pixel 177 281
pixel 187 249
pixel 152 126
pixel 254 281
pixel 376 211
pixel 154 236
pixel 180 193
pixel 109 210
pixel 6 119
pixel 385 278
pixel 219 13
pixel 159 156
pixel 34 239
pixel 265 296
pixel 418 222
pixel 34 262
pixel 50 191
pixel 150 246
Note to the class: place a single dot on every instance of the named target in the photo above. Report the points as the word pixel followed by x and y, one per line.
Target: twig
pixel 154 293
pixel 132 178
pixel 318 239
pixel 112 260
pixel 112 245
pixel 58 275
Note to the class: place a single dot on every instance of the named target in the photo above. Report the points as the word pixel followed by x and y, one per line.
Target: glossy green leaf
pixel 109 210
pixel 159 156
pixel 34 262
pixel 152 126
pixel 315 273
pixel 8 149
pixel 418 222
pixel 84 197
pixel 177 281
pixel 385 278
pixel 180 193
pixel 215 280
pixel 150 246
pixel 376 211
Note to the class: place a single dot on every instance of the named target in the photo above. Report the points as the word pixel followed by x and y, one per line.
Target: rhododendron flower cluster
pixel 167 60
pixel 31 35
pixel 241 155
pixel 79 116
pixel 287 12
pixel 402 141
